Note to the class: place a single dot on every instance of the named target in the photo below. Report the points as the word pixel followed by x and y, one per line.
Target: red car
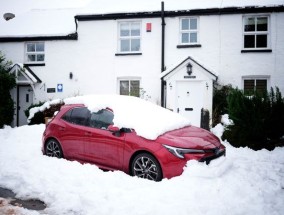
pixel 76 133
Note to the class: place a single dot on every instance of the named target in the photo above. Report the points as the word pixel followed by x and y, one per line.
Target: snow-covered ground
pixel 244 182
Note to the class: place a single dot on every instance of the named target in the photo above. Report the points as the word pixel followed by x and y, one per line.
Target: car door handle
pixel 89 134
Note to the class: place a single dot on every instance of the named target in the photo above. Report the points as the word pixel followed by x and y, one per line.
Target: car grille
pixel 217 153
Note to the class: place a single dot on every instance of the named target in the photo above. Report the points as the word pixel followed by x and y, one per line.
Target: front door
pixel 189 100
pixel 25 99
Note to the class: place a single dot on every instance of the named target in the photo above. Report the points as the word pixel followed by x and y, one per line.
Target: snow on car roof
pixel 148 120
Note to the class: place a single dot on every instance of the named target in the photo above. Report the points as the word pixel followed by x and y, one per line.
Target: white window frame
pixel 255 78
pixel 255 33
pixel 130 36
pixel 36 53
pixel 181 31
pixel 129 79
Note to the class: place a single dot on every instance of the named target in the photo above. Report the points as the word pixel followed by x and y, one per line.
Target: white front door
pixel 25 100
pixel 190 100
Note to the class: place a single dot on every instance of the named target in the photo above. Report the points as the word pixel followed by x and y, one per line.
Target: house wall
pixel 221 41
pixel 96 69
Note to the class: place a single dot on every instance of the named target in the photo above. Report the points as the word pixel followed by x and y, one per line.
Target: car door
pixel 72 133
pixel 104 148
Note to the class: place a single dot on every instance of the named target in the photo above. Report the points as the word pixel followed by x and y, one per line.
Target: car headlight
pixel 179 152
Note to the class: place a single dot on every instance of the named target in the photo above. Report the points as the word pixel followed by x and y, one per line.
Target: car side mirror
pixel 115 130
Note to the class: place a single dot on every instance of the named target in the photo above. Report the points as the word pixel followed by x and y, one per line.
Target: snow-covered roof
pixel 148 120
pixel 57 21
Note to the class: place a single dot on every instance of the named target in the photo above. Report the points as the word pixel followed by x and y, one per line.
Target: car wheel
pixel 53 149
pixel 146 166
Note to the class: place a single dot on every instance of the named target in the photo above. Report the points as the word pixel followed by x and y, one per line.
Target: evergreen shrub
pixel 7 83
pixel 258 119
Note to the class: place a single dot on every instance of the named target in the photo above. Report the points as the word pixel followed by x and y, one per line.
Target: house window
pixel 35 52
pixel 256 32
pixel 129 37
pixel 255 85
pixel 129 87
pixel 188 31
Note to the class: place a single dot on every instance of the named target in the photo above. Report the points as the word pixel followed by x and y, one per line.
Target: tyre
pixel 146 166
pixel 53 149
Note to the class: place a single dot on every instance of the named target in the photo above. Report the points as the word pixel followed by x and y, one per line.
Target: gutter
pixel 163 54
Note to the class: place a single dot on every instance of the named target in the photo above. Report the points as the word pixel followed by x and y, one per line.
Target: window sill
pixel 189 46
pixel 256 50
pixel 127 54
pixel 34 64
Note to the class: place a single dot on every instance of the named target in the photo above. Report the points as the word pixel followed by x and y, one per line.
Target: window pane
pixel 124 45
pixel 193 37
pixel 124 88
pixel 249 41
pixel 79 116
pixel 31 57
pixel 135 45
pixel 185 37
pixel 101 119
pixel 40 47
pixel 261 41
pixel 248 87
pixel 261 85
pixel 124 29
pixel 185 24
pixel 40 57
pixel 193 24
pixel 262 24
pixel 30 47
pixel 249 24
pixel 135 29
pixel 135 88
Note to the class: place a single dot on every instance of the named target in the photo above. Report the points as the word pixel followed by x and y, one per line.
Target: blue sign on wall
pixel 59 88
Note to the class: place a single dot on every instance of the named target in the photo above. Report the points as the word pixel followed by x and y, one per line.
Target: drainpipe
pixel 163 54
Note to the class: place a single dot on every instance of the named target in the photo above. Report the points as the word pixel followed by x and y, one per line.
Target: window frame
pixel 129 88
pixel 255 78
pixel 36 53
pixel 130 37
pixel 255 32
pixel 181 31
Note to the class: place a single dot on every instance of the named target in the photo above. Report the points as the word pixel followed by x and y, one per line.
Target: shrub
pixel 220 104
pixel 258 119
pixel 39 117
pixel 7 82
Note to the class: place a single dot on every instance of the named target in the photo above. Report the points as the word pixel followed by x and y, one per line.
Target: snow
pixel 56 18
pixel 243 182
pixel 147 119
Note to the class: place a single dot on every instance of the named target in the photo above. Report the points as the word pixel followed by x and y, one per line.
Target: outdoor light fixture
pixel 171 86
pixel 189 69
pixel 71 75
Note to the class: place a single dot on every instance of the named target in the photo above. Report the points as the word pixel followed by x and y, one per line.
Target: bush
pixel 7 82
pixel 220 104
pixel 39 117
pixel 258 119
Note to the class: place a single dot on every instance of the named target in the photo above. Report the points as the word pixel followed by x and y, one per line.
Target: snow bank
pixel 148 120
pixel 244 182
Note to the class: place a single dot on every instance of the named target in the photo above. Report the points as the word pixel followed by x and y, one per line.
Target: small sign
pixel 59 88
pixel 50 90
pixel 148 27
pixel 190 76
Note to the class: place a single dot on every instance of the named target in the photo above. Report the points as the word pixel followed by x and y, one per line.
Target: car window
pixel 78 116
pixel 101 119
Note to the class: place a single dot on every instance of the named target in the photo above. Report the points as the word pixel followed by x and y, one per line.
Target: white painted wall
pixel 96 69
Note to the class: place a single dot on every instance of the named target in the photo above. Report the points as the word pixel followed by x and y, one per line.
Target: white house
pixel 170 55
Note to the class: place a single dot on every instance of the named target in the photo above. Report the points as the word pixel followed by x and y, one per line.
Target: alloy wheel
pixel 53 149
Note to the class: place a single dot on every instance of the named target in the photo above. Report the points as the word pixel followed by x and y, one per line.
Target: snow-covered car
pixel 128 134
